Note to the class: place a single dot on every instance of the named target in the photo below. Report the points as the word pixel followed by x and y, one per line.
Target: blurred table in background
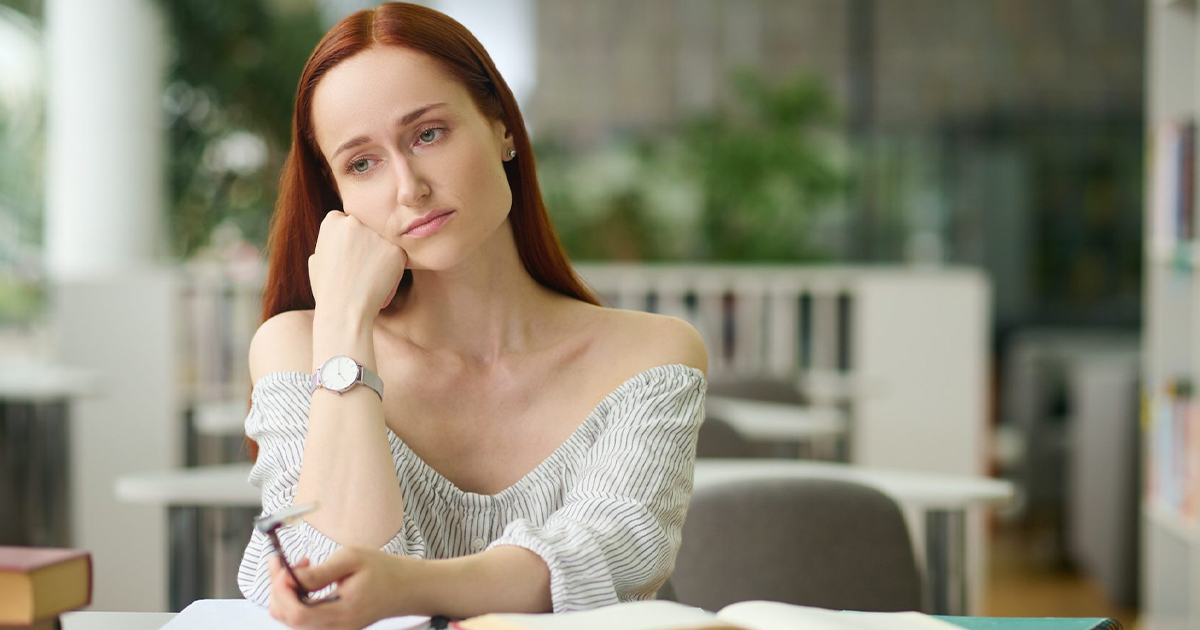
pixel 35 450
pixel 211 509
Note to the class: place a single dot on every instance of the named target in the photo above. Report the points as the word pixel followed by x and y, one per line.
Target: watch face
pixel 339 373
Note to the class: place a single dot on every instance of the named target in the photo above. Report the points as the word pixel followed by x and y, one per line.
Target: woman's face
pixel 403 138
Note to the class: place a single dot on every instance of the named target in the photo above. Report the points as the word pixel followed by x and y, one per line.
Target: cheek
pixel 486 180
pixel 366 201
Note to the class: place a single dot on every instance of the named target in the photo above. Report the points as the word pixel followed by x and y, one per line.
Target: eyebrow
pixel 404 120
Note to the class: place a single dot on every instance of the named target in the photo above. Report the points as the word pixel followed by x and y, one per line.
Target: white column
pixel 104 137
pixel 506 30
pixel 113 302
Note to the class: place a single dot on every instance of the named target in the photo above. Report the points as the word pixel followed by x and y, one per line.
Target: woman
pixel 529 450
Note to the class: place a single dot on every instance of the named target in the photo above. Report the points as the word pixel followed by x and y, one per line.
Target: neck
pixel 478 313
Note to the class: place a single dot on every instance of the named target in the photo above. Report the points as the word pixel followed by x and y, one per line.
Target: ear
pixel 503 135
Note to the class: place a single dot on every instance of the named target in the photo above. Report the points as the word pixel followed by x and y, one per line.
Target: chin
pixel 435 259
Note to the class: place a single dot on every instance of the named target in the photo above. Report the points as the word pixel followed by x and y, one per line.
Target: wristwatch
pixel 341 373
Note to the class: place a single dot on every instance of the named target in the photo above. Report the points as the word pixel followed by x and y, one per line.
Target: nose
pixel 411 187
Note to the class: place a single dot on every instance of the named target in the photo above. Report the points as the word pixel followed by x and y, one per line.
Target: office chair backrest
pixel 813 542
pixel 718 439
pixel 765 388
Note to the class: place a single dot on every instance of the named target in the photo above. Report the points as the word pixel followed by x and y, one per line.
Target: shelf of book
pixel 1170 513
pixel 1172 437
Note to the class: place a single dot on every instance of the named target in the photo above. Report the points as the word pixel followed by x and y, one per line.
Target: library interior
pixel 908 296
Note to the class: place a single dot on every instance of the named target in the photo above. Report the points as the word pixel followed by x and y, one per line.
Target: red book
pixel 38 583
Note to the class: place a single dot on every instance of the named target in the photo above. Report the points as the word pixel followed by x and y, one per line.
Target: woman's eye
pixel 429 135
pixel 360 166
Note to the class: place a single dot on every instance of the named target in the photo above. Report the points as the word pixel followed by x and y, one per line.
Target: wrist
pixel 430 585
pixel 340 333
pixel 331 319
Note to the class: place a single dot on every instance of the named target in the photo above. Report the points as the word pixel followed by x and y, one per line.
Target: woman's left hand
pixel 372 585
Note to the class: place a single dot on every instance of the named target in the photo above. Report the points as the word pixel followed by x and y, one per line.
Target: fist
pixel 353 267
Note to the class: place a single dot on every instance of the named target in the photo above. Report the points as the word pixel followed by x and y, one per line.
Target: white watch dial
pixel 339 373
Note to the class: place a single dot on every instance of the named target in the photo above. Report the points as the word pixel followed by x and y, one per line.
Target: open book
pixel 664 615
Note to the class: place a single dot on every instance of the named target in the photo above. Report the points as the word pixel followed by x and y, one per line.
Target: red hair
pixel 306 188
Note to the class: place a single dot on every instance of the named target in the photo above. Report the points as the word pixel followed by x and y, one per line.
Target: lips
pixel 426 218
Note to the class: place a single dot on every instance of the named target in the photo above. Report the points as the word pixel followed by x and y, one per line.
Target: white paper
pixel 241 614
pixel 762 615
pixel 647 615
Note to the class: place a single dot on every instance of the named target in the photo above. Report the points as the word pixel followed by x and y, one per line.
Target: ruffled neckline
pixel 546 468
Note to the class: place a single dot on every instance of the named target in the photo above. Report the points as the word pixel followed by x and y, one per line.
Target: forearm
pixel 501 579
pixel 347 465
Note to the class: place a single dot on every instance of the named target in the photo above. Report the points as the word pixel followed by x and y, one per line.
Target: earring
pixel 512 153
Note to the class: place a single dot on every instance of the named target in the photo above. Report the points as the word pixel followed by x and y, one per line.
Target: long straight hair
pixel 306 187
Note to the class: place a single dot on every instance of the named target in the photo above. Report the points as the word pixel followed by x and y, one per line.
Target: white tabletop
pixel 217 486
pixel 227 486
pixel 89 620
pixel 924 490
pixel 222 418
pixel 762 420
pixel 29 380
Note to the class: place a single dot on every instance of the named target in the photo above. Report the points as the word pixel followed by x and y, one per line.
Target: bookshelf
pixel 1170 514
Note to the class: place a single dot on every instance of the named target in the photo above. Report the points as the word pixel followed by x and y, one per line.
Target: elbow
pixel 651 560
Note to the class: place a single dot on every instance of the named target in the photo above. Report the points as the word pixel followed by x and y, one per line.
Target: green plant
pixel 21 164
pixel 743 183
pixel 232 79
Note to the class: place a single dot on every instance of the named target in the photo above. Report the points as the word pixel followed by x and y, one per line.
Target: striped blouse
pixel 604 510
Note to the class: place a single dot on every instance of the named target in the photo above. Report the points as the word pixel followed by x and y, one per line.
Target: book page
pixel 241 614
pixel 760 615
pixel 899 621
pixel 650 615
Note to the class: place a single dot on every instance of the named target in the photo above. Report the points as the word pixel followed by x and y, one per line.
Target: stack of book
pixel 1173 194
pixel 1173 466
pixel 37 584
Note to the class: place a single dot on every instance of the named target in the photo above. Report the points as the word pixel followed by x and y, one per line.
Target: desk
pixel 780 422
pixel 87 620
pixel 209 509
pixel 90 620
pixel 942 498
pixel 35 447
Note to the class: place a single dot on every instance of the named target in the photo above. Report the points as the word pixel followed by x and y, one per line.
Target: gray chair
pixel 813 542
pixel 719 439
pixel 765 388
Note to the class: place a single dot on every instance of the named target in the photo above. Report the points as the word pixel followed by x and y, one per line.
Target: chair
pixel 720 438
pixel 771 389
pixel 812 542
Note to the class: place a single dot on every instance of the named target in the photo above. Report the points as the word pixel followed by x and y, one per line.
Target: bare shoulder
pixel 660 339
pixel 283 342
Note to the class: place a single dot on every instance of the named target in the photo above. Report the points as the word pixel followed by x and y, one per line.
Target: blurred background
pixel 925 216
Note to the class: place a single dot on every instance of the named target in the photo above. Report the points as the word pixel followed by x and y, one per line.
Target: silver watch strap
pixel 370 379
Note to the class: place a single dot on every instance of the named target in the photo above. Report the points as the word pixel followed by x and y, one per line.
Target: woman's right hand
pixel 354 269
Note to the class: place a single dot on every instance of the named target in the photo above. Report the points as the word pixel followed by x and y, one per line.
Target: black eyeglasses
pixel 269 525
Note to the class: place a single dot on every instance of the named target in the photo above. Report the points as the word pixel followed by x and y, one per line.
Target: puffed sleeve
pixel 617 533
pixel 278 421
